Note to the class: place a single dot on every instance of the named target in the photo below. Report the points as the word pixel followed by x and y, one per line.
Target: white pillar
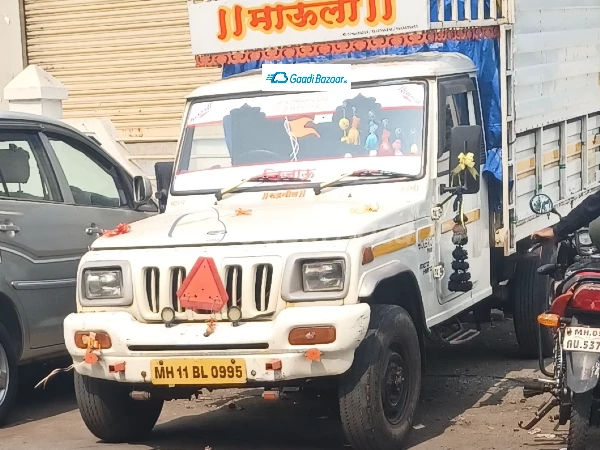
pixel 35 91
pixel 11 47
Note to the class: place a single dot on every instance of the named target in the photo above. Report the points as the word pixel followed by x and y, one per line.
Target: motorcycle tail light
pixel 560 303
pixel 549 320
pixel 587 297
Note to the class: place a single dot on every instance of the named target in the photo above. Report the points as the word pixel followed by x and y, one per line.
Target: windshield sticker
pixel 285 194
pixel 315 104
pixel 303 174
pixel 199 112
pixel 409 187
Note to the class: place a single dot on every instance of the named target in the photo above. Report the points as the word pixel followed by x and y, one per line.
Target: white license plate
pixel 582 339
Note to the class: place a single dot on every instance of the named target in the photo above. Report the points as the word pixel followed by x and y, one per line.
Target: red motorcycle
pixel 574 318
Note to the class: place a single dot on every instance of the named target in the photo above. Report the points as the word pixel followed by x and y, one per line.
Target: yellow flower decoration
pixel 365 208
pixel 465 162
pixel 243 212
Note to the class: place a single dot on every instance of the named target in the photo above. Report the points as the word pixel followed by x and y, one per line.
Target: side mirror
pixel 142 190
pixel 467 140
pixel 541 204
pixel 164 175
pixel 594 231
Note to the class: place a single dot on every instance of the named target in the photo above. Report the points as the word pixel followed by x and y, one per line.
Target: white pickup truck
pixel 307 238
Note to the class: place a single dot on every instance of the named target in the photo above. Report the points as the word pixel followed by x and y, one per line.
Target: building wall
pixel 126 60
pixel 11 49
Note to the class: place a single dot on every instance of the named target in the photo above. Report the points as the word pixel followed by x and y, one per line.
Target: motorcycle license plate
pixel 582 339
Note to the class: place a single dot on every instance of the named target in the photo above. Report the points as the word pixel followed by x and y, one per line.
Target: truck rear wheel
pixel 380 392
pixel 532 297
pixel 110 414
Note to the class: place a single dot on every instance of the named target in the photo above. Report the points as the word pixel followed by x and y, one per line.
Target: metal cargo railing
pixel 468 13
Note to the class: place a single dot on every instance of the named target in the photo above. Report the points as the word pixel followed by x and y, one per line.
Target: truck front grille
pixel 249 287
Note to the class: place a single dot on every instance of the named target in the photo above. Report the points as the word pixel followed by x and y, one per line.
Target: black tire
pixel 8 395
pixel 110 414
pixel 392 337
pixel 579 424
pixel 531 298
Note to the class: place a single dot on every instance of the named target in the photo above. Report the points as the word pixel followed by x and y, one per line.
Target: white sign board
pixel 222 26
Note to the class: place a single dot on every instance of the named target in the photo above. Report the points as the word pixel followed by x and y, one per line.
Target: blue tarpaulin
pixel 485 53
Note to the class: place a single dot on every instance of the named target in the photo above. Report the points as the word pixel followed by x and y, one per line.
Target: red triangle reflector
pixel 203 288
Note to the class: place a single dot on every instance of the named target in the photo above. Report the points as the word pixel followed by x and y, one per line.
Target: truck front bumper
pixel 258 343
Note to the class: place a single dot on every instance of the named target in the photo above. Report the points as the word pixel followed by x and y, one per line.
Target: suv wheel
pixel 8 375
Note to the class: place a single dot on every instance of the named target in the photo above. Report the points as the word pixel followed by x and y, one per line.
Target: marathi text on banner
pixel 235 21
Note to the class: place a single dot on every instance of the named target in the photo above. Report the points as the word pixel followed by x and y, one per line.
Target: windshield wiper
pixel 262 178
pixel 362 174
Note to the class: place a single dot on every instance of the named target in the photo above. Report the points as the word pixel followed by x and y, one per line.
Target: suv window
pixel 25 172
pixel 92 181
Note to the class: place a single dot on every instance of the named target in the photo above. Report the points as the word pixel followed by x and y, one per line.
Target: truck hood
pixel 263 224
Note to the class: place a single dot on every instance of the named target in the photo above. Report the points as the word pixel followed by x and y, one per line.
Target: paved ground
pixel 471 400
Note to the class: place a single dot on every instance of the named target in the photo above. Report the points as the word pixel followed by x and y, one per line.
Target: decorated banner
pixel 240 25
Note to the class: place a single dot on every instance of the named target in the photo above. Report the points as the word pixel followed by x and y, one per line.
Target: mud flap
pixel 583 371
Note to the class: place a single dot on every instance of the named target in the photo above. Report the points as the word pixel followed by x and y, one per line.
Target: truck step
pixel 462 337
pixel 458 334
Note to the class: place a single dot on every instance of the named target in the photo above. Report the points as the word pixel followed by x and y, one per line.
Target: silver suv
pixel 58 190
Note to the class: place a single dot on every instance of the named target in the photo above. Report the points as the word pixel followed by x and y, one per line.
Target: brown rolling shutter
pixel 128 60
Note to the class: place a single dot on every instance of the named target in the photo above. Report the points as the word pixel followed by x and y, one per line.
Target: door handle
pixel 93 229
pixel 8 227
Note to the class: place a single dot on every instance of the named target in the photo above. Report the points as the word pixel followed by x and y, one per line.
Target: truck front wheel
pixel 380 392
pixel 110 414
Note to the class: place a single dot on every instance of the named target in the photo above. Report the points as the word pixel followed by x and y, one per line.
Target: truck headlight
pixel 323 276
pixel 103 284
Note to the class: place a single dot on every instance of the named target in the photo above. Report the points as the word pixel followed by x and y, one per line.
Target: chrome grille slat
pixel 178 274
pixel 263 279
pixel 233 284
pixel 152 277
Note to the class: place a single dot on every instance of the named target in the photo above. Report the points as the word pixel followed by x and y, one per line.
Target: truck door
pixel 459 105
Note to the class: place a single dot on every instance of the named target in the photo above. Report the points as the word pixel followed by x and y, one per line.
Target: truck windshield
pixel 315 136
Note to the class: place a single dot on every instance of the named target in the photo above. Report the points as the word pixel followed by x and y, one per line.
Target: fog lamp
pixel 234 314
pixel 167 315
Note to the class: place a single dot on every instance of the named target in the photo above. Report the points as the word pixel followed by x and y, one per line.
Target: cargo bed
pixel 549 61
